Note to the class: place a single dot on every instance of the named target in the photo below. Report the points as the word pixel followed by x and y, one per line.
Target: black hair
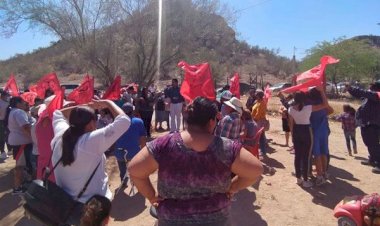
pixel 79 118
pixel 201 111
pixel 315 96
pixel 48 93
pixel 15 100
pixel 246 115
pixel 175 80
pixel 260 94
pixel 348 109
pixel 375 87
pixel 96 210
pixel 299 98
pixel 130 88
pixel 226 87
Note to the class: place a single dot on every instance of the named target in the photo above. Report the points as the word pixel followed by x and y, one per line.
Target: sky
pixel 274 24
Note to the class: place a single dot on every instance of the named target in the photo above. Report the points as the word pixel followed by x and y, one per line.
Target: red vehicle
pixel 359 211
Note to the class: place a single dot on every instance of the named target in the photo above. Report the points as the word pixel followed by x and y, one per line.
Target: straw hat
pixel 235 104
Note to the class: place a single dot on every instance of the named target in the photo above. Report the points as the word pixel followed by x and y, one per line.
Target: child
pixel 285 124
pixel 349 127
pixel 96 211
pixel 249 132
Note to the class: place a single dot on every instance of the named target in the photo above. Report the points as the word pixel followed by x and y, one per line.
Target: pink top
pixel 45 134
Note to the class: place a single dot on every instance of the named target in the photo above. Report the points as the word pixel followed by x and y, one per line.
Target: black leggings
pixel 302 140
pixel 146 116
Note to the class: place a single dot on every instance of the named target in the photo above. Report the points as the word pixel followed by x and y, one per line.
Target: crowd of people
pixel 200 167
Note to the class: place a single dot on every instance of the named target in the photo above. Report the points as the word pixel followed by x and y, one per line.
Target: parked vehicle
pixel 69 87
pixel 276 88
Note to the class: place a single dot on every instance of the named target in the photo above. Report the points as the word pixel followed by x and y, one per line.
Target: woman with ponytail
pixel 78 149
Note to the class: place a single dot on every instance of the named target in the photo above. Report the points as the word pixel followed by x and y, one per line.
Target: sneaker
pixel 307 184
pixel 355 151
pixel 376 170
pixel 3 155
pixel 18 191
pixel 299 181
pixel 320 181
pixel 368 163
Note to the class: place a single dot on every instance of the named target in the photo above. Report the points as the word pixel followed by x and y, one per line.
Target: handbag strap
pixel 88 182
pixel 85 185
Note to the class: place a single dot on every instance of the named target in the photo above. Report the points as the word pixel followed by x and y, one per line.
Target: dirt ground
pixel 275 200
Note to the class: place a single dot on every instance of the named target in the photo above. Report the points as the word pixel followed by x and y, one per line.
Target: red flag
pixel 318 70
pixel 314 76
pixel 49 81
pixel 55 104
pixel 113 92
pixel 83 93
pixel 29 97
pixel 11 86
pixel 326 59
pixel 197 81
pixel 303 86
pixel 235 85
pixel 267 93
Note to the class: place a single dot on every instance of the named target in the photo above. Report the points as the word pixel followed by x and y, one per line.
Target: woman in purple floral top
pixel 194 171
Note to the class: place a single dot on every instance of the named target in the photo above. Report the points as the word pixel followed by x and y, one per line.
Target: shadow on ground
pixel 125 207
pixel 243 210
pixel 328 195
pixel 336 157
pixel 273 163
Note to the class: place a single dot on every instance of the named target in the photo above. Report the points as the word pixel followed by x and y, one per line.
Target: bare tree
pixel 87 25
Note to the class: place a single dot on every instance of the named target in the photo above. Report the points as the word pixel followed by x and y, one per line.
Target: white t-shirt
pixel 301 117
pixel 17 120
pixel 88 151
pixel 34 139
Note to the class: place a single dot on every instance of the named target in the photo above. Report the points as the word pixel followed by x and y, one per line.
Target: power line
pixel 251 6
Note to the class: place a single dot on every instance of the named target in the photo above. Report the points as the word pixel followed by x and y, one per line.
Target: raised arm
pixel 361 93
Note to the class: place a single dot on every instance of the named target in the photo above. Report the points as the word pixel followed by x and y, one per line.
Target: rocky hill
pixel 190 33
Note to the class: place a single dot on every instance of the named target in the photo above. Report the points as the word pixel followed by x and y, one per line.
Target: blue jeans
pixel 350 135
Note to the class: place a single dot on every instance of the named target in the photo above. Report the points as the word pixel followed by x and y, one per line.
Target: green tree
pixel 358 59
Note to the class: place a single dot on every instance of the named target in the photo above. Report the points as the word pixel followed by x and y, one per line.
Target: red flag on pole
pixel 197 81
pixel 29 97
pixel 11 86
pixel 83 93
pixel 113 92
pixel 313 77
pixel 55 104
pixel 49 81
pixel 267 93
pixel 235 85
